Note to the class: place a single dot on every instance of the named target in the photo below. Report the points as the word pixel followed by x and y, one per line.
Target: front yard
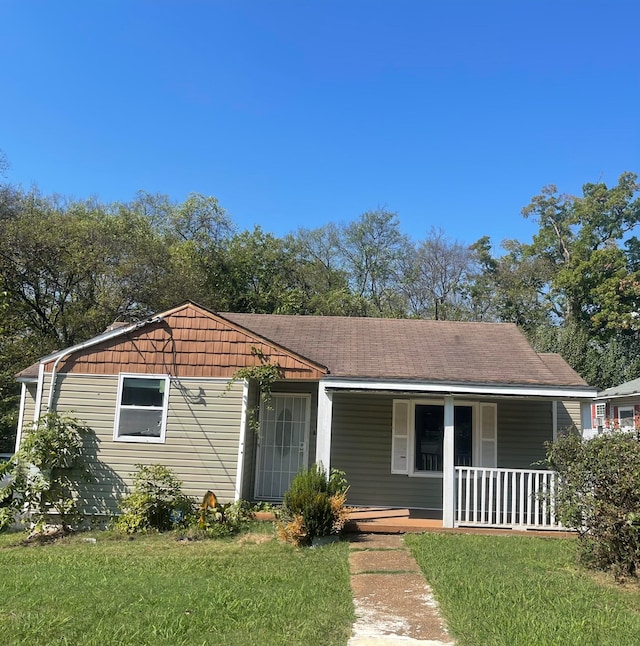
pixel 525 590
pixel 252 589
pixel 156 590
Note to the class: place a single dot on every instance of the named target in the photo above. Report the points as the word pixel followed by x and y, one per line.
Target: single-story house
pixel 446 417
pixel 616 408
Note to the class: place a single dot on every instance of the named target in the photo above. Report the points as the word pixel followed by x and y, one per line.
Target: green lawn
pixel 156 590
pixel 524 590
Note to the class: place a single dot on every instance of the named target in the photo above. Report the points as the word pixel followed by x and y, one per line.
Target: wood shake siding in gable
pixel 186 343
pixel 361 447
pixel 201 446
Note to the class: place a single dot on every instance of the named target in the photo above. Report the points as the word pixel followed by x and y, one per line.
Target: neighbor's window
pixel 626 417
pixel 141 415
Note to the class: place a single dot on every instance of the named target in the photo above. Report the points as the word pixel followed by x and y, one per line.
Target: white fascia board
pixel 607 398
pixel 462 389
pixel 105 336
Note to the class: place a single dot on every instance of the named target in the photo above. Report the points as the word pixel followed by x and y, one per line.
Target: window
pixel 141 415
pixel 429 436
pixel 418 436
pixel 601 411
pixel 626 418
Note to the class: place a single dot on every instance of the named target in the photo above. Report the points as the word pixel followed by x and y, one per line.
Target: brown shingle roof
pixel 441 351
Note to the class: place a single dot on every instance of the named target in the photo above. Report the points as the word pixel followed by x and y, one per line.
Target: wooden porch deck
pixel 382 520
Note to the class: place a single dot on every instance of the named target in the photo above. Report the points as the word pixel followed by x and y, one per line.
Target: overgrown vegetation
pixel 313 506
pixel 153 589
pixel 523 590
pixel 264 375
pixel 156 502
pixel 39 479
pixel 599 495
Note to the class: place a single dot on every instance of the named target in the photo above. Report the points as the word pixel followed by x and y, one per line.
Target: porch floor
pixel 382 520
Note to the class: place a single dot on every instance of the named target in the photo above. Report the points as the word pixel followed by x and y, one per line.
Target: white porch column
pixel 448 470
pixel 242 441
pixel 323 429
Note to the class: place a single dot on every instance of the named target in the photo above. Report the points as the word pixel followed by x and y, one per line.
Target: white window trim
pixel 165 408
pixel 633 416
pixel 476 435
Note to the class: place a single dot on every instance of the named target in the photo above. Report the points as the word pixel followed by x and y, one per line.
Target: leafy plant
pixel 40 478
pixel 599 495
pixel 265 375
pixel 216 519
pixel 156 502
pixel 314 505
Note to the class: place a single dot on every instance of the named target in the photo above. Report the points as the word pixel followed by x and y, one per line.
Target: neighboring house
pixel 616 408
pixel 448 417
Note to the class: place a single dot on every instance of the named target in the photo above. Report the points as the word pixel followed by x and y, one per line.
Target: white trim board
pixel 460 389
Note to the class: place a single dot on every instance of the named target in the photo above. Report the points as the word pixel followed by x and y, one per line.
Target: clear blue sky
pixel 297 113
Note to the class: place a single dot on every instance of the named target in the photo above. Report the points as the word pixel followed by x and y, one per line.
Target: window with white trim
pixel 418 436
pixel 626 418
pixel 141 413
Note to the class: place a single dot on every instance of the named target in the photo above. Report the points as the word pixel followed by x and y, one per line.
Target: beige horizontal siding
pixel 29 404
pixel 524 426
pixel 361 447
pixel 201 443
pixel 569 415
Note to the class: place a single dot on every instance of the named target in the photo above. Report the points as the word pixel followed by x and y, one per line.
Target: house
pixel 446 417
pixel 617 407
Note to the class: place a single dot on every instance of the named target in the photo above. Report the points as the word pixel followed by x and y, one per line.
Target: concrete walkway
pixel 394 603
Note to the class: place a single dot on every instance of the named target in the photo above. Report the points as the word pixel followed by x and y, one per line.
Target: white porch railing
pixel 513 498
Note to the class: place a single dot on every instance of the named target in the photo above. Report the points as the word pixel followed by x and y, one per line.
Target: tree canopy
pixel 70 268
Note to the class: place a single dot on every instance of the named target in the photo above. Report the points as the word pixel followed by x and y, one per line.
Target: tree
pixel 372 249
pixel 321 273
pixel 437 278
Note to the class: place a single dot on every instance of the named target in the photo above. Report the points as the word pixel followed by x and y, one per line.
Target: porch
pixel 485 499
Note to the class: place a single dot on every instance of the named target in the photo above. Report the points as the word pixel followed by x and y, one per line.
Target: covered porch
pixel 379 439
pixel 509 499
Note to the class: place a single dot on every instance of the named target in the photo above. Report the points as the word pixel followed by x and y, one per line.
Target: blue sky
pixel 294 114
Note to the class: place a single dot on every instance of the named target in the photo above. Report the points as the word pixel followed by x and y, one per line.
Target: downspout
pixel 52 385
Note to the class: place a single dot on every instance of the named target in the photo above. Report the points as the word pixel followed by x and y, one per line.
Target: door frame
pixel 307 433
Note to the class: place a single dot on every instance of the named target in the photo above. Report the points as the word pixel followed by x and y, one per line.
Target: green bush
pixel 156 502
pixel 314 505
pixel 40 479
pixel 599 495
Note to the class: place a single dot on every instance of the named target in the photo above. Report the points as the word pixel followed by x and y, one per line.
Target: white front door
pixel 282 445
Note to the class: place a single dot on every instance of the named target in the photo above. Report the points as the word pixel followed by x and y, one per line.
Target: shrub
pixel 314 505
pixel 599 495
pixel 39 480
pixel 156 502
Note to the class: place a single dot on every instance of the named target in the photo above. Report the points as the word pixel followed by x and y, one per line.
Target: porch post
pixel 448 470
pixel 323 429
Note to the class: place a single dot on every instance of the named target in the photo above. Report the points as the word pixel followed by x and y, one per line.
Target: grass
pixel 156 590
pixel 524 590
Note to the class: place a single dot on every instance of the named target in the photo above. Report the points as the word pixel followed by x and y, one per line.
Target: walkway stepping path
pixel 394 604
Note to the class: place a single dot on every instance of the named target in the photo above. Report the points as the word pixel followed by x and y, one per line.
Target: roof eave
pixel 418 386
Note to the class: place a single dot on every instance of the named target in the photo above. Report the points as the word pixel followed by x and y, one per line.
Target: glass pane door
pixel 282 445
